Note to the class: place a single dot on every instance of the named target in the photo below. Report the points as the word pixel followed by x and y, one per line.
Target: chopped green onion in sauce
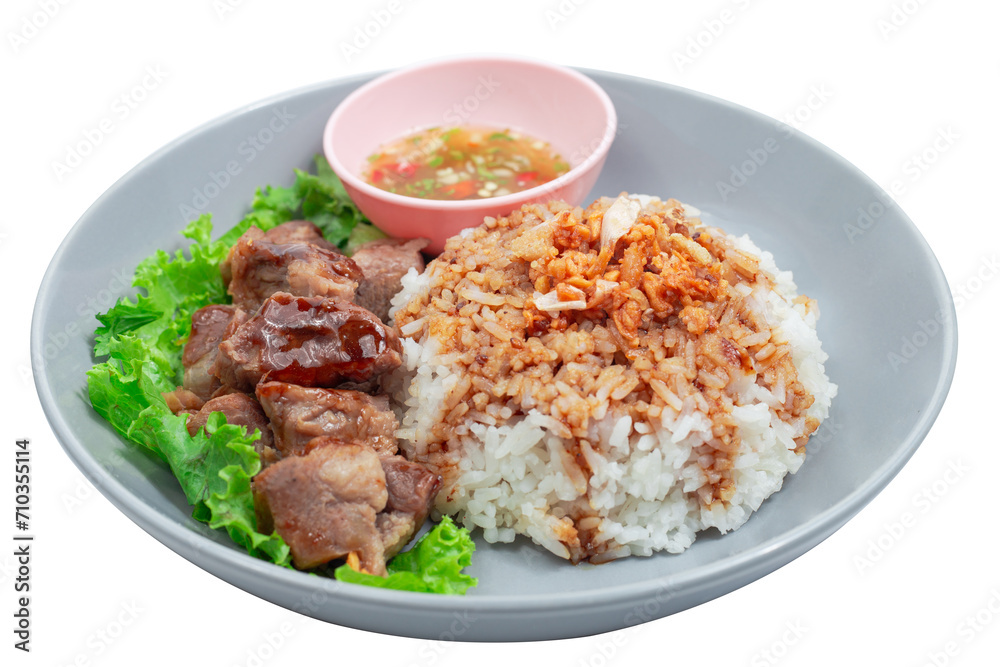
pixel 465 162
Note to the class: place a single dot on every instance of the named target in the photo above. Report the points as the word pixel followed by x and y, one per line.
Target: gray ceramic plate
pixel 887 323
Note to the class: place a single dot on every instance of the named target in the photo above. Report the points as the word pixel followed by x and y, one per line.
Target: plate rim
pixel 759 561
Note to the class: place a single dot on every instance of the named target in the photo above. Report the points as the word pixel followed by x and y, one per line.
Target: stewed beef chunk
pixel 339 498
pixel 242 410
pixel 298 231
pixel 324 504
pixel 384 263
pixel 294 231
pixel 299 414
pixel 411 488
pixel 208 326
pixel 257 267
pixel 309 341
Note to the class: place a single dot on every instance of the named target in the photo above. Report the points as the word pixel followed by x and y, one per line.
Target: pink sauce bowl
pixel 549 102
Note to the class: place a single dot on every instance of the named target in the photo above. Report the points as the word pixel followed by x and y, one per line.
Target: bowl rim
pixel 512 200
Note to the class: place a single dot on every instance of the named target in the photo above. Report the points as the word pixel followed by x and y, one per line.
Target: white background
pixel 872 594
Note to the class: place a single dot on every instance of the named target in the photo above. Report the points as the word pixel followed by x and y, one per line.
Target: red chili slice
pixel 526 176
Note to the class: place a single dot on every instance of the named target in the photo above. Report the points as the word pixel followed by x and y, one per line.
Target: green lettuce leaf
pixel 319 198
pixel 142 340
pixel 433 565
pixel 175 287
pixel 363 234
pixel 213 467
pixel 271 207
pixel 325 202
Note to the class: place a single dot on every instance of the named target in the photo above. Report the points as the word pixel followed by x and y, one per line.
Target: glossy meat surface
pixel 308 341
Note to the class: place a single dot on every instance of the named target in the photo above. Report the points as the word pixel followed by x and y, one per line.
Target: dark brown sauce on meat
pixel 309 341
pixel 362 340
pixel 343 333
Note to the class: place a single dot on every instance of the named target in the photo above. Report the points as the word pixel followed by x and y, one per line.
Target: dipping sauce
pixel 464 162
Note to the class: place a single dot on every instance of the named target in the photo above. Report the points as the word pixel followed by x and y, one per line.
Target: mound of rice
pixel 608 381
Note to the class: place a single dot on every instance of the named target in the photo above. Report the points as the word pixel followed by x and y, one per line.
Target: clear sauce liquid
pixel 464 162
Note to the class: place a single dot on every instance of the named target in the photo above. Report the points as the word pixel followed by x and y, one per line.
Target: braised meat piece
pixel 298 231
pixel 294 231
pixel 384 263
pixel 241 410
pixel 324 504
pixel 299 414
pixel 340 498
pixel 257 267
pixel 309 341
pixel 208 327
pixel 411 488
